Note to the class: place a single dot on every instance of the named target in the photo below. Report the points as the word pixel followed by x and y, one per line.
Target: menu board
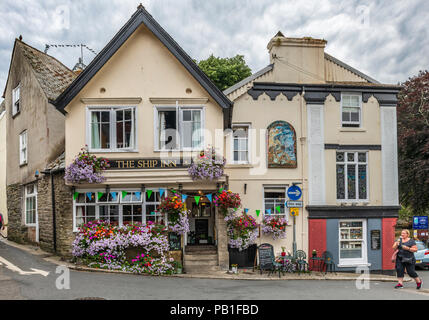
pixel 375 239
pixel 174 240
pixel 266 256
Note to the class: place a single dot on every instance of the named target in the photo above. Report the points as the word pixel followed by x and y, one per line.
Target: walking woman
pixel 405 259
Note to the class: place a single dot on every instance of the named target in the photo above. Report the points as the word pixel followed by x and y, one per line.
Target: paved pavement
pixel 23 276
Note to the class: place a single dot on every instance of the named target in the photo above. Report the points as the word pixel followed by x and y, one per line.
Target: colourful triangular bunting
pixel 197 199
pixel 99 195
pixel 149 193
pixel 75 195
pixel 258 212
pixel 124 194
pixel 161 192
pixel 210 197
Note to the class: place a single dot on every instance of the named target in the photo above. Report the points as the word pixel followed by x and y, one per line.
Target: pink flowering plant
pixel 86 168
pixel 207 166
pixel 175 209
pixel 275 226
pixel 242 231
pixel 102 245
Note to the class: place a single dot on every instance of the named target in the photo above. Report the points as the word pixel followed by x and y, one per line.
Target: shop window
pixel 352 241
pixel 112 129
pixel 179 128
pixel 85 208
pixel 352 176
pixel 31 204
pixel 274 199
pixel 151 206
pixel 351 106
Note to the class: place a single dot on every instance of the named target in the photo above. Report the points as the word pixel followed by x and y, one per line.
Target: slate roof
pixel 57 164
pixel 52 75
pixel 2 107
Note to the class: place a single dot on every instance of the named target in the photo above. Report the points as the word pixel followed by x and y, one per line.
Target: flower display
pixel 86 168
pixel 175 209
pixel 227 200
pixel 100 244
pixel 242 231
pixel 276 226
pixel 208 166
pixel 288 265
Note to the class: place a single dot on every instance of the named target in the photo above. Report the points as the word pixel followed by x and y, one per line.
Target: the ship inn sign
pixel 149 163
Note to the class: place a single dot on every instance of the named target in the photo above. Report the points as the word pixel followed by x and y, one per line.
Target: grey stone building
pixel 36 194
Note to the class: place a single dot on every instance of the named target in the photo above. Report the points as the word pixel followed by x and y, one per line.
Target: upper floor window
pixel 352 176
pixel 112 129
pixel 16 104
pixel 23 148
pixel 179 128
pixel 240 143
pixel 351 110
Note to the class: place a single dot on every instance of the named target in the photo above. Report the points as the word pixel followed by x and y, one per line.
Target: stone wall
pixel 17 231
pixel 44 210
pixel 222 241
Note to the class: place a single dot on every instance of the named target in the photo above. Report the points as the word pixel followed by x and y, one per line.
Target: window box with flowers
pixel 86 168
pixel 207 166
pixel 275 226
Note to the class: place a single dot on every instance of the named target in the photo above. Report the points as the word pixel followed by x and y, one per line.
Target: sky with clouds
pixel 388 40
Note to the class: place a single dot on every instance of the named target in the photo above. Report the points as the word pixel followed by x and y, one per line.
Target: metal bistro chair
pixel 328 262
pixel 301 264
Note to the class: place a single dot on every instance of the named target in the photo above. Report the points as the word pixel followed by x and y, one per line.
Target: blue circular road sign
pixel 294 193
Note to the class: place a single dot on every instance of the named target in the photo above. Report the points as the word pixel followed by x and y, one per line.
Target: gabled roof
pixel 52 76
pixel 141 16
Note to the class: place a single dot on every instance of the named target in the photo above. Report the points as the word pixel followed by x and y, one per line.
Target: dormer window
pixel 351 106
pixel 16 102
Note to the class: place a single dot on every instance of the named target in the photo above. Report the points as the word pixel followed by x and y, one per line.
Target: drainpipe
pixel 54 222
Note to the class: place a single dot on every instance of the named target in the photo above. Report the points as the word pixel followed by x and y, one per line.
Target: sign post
pixel 294 193
pixel 420 226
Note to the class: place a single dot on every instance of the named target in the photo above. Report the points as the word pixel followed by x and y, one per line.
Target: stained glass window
pixel 352 177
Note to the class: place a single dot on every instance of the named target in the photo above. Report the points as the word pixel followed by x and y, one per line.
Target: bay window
pixel 179 128
pixel 112 129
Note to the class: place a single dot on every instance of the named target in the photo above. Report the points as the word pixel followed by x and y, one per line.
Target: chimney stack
pixel 297 60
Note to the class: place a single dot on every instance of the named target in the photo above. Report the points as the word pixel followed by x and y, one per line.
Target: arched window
pixel 281 144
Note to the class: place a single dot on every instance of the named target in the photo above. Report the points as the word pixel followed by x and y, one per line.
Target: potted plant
pixel 283 252
pixel 208 165
pixel 175 209
pixel 227 201
pixel 234 268
pixel 276 226
pixel 314 253
pixel 242 231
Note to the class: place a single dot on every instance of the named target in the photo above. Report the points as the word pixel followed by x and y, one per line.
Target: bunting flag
pixel 210 197
pixel 246 210
pixel 99 195
pixel 279 209
pixel 124 194
pixel 220 190
pixel 114 195
pixel 184 197
pixel 75 195
pixel 197 199
pixel 258 212
pixel 268 211
pixel 138 194
pixel 89 195
pixel 149 193
pixel 161 192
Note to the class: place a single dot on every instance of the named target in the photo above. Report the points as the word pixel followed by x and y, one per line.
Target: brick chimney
pixel 297 60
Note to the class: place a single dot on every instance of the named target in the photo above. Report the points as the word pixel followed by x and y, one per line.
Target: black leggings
pixel 400 268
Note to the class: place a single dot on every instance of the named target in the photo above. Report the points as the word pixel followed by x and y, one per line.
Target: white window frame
pixel 179 116
pixel 275 213
pixel 118 202
pixel 23 148
pixel 356 163
pixel 27 196
pixel 354 124
pixel 353 261
pixel 241 125
pixel 113 135
pixel 16 100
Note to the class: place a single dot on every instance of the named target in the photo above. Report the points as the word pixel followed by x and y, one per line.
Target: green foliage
pixel 225 72
pixel 413 143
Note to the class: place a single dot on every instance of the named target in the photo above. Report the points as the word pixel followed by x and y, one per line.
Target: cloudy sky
pixel 388 40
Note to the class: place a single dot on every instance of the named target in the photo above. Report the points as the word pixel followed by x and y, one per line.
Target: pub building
pixel 307 120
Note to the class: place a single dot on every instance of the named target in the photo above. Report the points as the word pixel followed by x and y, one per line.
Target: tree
pixel 413 142
pixel 225 72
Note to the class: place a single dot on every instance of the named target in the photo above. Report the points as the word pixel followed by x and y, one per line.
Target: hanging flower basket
pixel 227 202
pixel 242 231
pixel 86 168
pixel 275 226
pixel 175 209
pixel 208 166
